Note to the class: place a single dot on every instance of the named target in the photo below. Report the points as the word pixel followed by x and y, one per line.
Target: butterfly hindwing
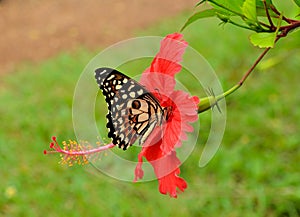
pixel 133 112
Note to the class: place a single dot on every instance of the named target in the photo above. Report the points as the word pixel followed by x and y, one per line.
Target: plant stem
pixel 246 75
pixel 268 15
pixel 208 102
pixel 286 29
pixel 274 9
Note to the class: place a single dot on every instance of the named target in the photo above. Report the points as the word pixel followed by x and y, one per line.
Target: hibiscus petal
pixel 138 172
pixel 164 84
pixel 170 184
pixel 184 112
pixel 170 54
pixel 159 148
pixel 166 62
pixel 166 168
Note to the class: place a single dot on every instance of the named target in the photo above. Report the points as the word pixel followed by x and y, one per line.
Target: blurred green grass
pixel 254 173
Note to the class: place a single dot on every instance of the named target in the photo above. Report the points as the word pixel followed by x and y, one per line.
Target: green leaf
pixel 260 4
pixel 201 2
pixel 223 17
pixel 199 15
pixel 249 9
pixel 227 7
pixel 261 10
pixel 297 2
pixel 263 40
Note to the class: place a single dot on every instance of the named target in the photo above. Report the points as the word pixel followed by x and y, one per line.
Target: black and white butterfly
pixel 133 112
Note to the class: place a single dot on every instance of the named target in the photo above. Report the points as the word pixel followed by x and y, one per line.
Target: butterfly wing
pixel 133 112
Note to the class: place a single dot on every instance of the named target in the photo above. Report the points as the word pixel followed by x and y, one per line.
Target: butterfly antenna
pixel 157 90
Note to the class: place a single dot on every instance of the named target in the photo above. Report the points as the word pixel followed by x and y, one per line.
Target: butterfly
pixel 133 112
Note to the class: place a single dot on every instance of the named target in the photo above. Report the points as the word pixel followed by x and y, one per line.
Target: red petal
pixel 170 183
pixel 166 62
pixel 184 112
pixel 166 168
pixel 138 172
pixel 159 84
pixel 170 54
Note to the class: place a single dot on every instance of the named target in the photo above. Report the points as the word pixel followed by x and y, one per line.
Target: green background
pixel 254 173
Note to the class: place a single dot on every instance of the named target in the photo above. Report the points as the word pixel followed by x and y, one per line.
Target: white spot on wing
pixel 140 92
pixel 101 73
pixel 123 112
pixel 110 77
pixel 122 136
pixel 131 86
pixel 132 94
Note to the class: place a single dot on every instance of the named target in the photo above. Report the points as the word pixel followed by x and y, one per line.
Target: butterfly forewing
pixel 133 112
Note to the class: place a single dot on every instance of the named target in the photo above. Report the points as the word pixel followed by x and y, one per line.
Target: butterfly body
pixel 133 112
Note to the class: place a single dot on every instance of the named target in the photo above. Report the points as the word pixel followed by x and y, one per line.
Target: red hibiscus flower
pixel 159 79
pixel 159 148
